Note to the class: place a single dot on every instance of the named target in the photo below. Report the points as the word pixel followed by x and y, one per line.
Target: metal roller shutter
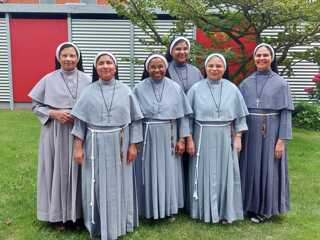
pixel 95 35
pixel 121 38
pixel 303 72
pixel 4 66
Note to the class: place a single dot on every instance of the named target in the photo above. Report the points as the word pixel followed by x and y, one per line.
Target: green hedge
pixel 307 115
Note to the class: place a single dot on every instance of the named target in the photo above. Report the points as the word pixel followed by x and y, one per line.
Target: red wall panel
pixel 33 45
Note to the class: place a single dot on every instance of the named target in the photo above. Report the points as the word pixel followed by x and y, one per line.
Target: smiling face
pixel 263 59
pixel 68 59
pixel 156 69
pixel 180 52
pixel 106 68
pixel 215 68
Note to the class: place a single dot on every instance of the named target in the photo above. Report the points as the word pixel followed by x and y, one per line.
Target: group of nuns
pixel 109 154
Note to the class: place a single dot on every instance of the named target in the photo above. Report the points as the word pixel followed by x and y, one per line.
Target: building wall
pixel 98 2
pixel 93 28
pixel 34 40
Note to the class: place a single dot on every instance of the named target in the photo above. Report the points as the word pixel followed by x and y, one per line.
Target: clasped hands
pixel 62 116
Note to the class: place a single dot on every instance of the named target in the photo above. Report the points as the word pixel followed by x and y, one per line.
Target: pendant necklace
pixel 74 97
pixel 218 106
pixel 258 95
pixel 104 99
pixel 155 95
pixel 184 81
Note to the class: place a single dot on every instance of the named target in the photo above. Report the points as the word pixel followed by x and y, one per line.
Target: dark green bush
pixel 307 115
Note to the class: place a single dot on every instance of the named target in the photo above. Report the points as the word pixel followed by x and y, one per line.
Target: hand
pixel 132 153
pixel 180 146
pixel 71 121
pixel 61 116
pixel 190 148
pixel 237 143
pixel 279 150
pixel 78 154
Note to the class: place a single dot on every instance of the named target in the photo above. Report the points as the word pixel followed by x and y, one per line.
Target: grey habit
pixel 58 189
pixel 159 170
pixel 184 74
pixel 214 178
pixel 264 179
pixel 108 184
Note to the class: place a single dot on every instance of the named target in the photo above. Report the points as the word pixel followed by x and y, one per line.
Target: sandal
pixel 258 218
pixel 261 218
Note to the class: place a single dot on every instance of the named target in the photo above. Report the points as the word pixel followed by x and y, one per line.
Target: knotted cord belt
pixel 196 174
pixel 148 123
pixel 93 180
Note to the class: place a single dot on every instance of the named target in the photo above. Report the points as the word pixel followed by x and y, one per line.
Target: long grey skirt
pixel 159 172
pixel 264 179
pixel 110 206
pixel 215 190
pixel 58 184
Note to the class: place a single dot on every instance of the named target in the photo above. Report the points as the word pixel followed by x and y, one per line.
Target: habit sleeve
pixel 79 129
pixel 285 129
pixel 240 124
pixel 41 111
pixel 136 131
pixel 184 128
pixel 190 96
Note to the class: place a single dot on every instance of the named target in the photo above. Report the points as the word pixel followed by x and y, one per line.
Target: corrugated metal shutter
pixel 4 69
pixel 303 72
pixel 141 51
pixel 94 35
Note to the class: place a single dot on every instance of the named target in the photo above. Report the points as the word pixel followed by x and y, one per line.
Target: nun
pixel 159 170
pixel 107 128
pixel 218 120
pixel 53 97
pixel 264 160
pixel 179 70
pixel 185 74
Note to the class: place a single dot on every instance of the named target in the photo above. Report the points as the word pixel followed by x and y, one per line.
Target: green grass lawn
pixel 19 131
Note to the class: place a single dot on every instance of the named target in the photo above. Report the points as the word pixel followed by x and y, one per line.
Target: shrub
pixel 314 92
pixel 307 115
